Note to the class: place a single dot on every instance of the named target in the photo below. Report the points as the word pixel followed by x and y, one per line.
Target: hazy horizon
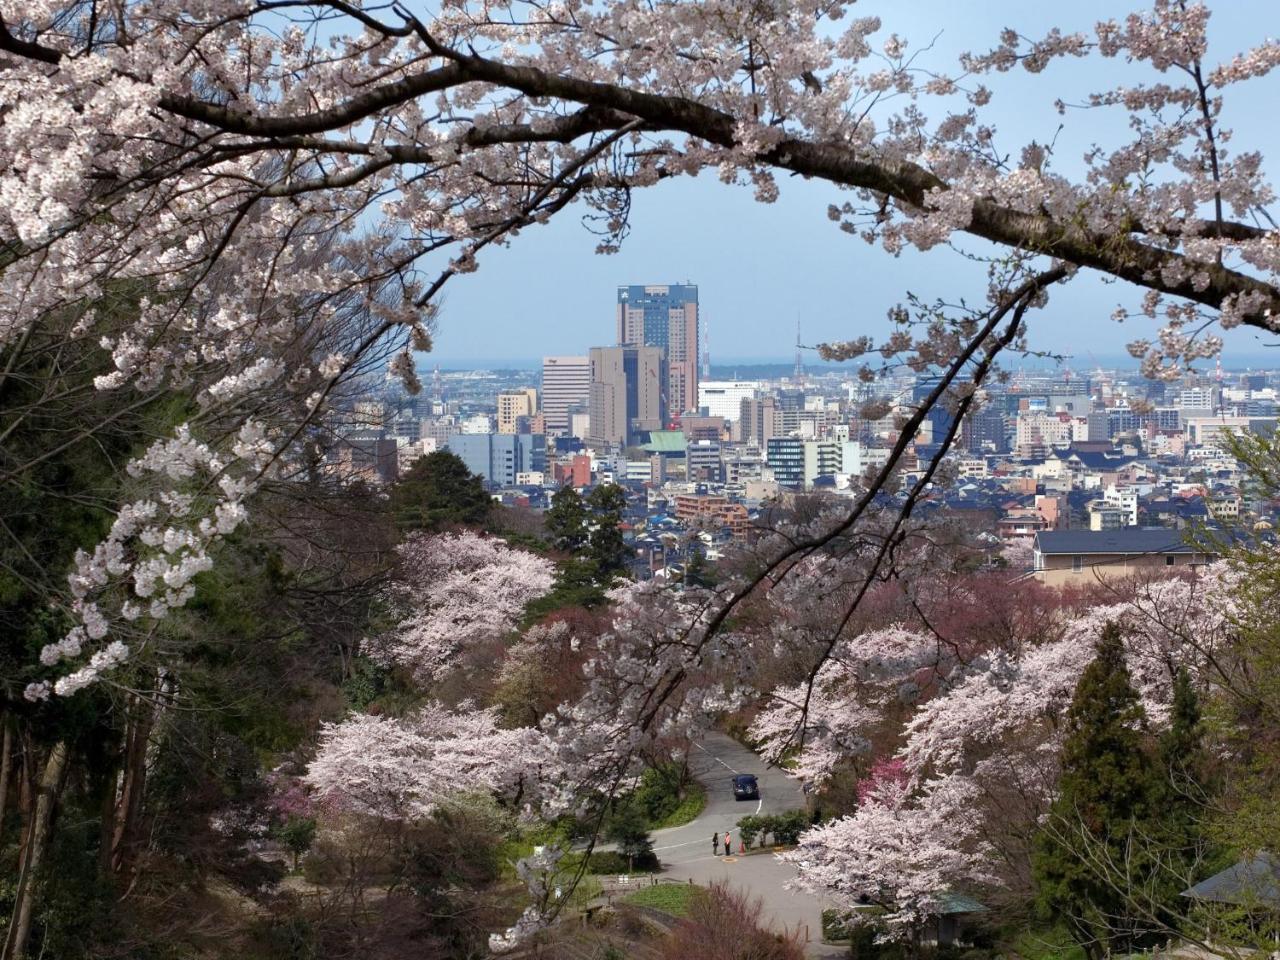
pixel 760 267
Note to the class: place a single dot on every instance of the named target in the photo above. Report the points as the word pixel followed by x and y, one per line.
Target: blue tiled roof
pixel 1128 540
pixel 1255 881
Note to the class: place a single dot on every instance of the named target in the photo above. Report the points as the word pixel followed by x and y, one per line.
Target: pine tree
pixel 607 549
pixel 629 830
pixel 1105 800
pixel 439 491
pixel 566 520
pixel 1176 829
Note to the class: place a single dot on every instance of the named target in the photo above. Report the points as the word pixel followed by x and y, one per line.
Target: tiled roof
pixel 1255 881
pixel 1128 540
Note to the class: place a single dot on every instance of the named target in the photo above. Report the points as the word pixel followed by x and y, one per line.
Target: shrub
pixel 612 862
pixel 835 926
pixel 749 829
pixel 723 926
pixel 297 834
pixel 788 826
pixel 667 796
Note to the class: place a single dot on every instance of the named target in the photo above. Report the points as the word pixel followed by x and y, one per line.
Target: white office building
pixel 723 398
pixel 566 387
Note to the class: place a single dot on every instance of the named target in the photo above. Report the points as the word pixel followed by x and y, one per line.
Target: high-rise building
pixel 627 395
pixel 759 420
pixel 514 404
pixel 667 317
pixel 703 462
pixel 566 388
pixel 786 456
pixel 498 457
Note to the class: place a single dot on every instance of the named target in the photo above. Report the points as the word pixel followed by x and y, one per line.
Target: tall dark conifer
pixel 1105 800
pixel 566 520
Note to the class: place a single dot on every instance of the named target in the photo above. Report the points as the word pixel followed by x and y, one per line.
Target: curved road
pixel 686 853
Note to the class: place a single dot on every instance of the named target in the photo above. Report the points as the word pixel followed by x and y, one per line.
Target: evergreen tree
pixel 1105 799
pixel 1176 828
pixel 439 491
pixel 606 547
pixel 566 520
pixel 698 572
pixel 629 830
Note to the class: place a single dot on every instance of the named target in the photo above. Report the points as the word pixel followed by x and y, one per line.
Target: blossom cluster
pixel 454 591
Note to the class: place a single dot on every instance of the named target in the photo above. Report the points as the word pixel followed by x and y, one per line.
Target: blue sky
pixel 760 267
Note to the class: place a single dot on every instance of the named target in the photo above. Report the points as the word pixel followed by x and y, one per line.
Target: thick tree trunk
pixel 51 780
pixel 6 771
pixel 129 811
pixel 26 791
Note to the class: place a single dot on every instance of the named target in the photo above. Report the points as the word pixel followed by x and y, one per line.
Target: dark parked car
pixel 745 787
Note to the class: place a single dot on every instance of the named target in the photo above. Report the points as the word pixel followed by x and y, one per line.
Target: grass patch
pixel 695 799
pixel 672 898
pixel 1047 944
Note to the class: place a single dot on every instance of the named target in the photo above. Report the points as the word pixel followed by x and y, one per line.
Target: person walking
pixel 715 844
pixel 728 844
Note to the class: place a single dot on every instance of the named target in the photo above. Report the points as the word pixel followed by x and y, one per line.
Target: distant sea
pixel 764 368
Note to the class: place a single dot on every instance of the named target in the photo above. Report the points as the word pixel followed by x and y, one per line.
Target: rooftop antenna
pixel 799 371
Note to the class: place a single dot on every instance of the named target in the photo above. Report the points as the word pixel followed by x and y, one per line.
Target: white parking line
pixel 714 757
pixel 759 804
pixel 672 846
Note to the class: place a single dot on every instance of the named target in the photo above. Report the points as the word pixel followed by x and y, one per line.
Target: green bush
pixel 695 799
pixel 788 826
pixel 667 796
pixel 297 834
pixel 835 926
pixel 609 862
pixel 784 828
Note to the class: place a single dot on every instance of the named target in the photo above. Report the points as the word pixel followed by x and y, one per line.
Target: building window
pixel 1169 561
pixel 1077 564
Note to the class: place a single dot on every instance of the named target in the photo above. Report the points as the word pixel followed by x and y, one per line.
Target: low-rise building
pixel 1064 557
pixel 712 512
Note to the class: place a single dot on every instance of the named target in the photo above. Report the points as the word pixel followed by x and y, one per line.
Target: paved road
pixel 686 851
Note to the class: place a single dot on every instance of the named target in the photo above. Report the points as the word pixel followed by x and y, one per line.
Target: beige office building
pixel 627 394
pixel 513 405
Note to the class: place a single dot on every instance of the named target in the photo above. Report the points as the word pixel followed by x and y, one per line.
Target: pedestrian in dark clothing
pixel 728 844
pixel 715 844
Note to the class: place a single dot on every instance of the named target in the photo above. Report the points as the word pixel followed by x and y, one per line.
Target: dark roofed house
pixel 1250 883
pixel 1062 557
pixel 1243 897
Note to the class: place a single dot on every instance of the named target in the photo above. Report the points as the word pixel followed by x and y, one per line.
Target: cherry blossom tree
pixel 403 768
pixel 453 591
pixel 979 758
pixel 202 152
pixel 282 188
pixel 847 708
